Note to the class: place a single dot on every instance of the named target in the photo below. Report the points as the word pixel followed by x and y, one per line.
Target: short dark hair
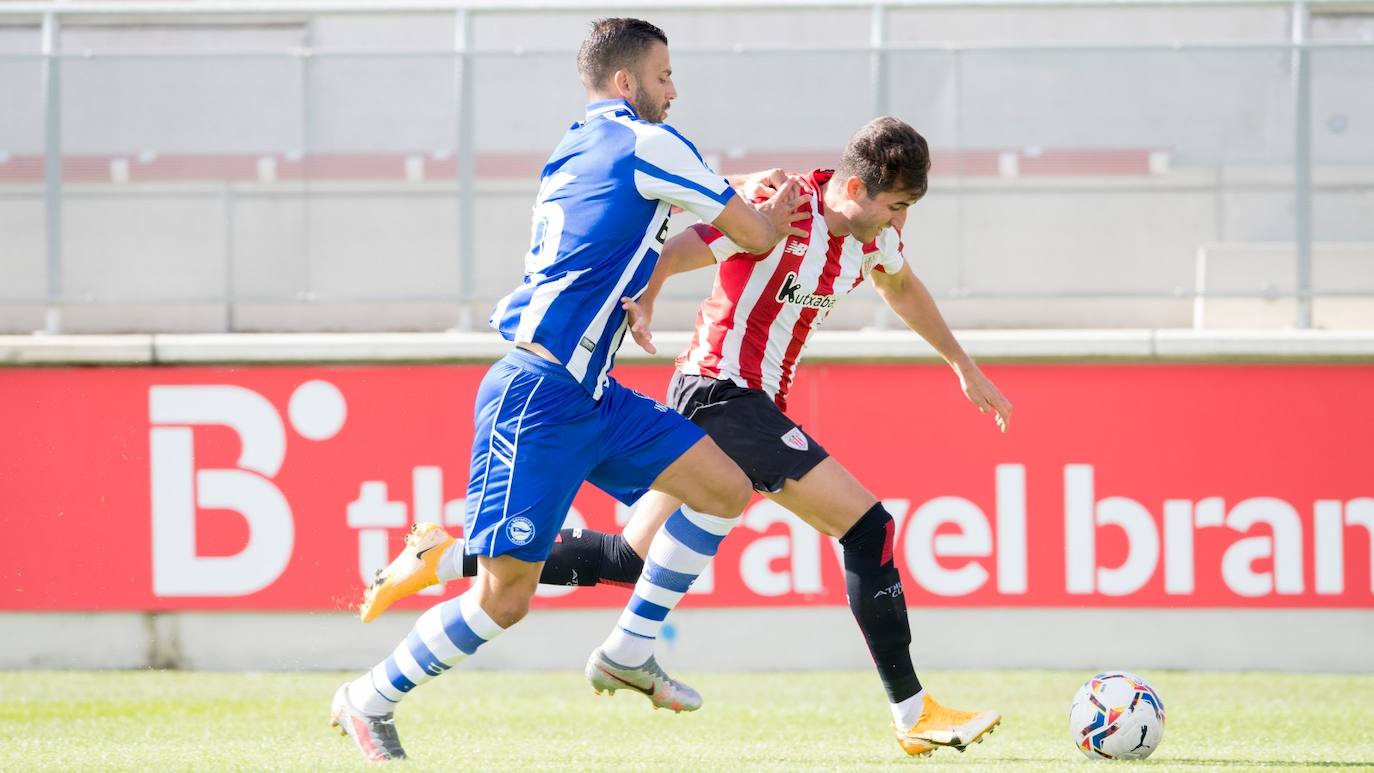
pixel 615 44
pixel 888 155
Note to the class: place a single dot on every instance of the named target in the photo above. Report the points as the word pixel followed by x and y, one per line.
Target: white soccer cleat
pixel 375 737
pixel 648 680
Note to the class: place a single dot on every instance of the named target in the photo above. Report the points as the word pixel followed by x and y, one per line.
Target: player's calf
pixel 585 557
pixel 878 600
pixel 679 553
pixel 443 636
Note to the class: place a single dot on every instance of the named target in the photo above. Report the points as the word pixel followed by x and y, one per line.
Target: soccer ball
pixel 1116 716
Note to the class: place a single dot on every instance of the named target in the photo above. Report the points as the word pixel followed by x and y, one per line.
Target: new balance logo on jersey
pixel 790 292
pixel 795 248
pixel 796 439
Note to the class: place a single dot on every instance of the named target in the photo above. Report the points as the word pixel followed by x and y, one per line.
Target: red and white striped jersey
pixel 763 308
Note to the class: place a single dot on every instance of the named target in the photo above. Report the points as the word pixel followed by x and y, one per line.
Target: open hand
pixel 985 395
pixel 640 314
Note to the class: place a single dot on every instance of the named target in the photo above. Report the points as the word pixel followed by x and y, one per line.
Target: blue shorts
pixel 538 435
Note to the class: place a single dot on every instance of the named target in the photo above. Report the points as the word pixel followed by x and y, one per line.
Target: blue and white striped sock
pixel 680 552
pixel 444 635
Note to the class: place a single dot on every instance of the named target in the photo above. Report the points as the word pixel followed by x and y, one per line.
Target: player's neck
pixel 835 222
pixel 597 98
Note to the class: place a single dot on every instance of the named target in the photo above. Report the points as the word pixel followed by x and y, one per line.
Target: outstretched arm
pixel 909 298
pixel 684 252
pixel 672 171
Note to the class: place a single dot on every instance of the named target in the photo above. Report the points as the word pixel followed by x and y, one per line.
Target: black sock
pixel 878 602
pixel 584 557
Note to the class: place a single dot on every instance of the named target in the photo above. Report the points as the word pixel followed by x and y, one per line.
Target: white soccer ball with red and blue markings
pixel 1116 715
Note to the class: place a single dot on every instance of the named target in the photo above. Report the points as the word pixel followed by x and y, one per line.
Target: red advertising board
pixel 1117 486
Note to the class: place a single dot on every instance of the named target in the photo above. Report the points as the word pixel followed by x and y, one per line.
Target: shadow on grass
pixel 1367 765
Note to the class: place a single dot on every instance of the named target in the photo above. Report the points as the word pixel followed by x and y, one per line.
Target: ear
pixel 854 187
pixel 623 83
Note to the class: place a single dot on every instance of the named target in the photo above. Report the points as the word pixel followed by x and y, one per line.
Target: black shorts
pixel 748 427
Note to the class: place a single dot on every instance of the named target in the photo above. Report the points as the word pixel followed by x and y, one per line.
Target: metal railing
pixel 880 51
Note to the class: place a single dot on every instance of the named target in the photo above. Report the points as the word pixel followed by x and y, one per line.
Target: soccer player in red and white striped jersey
pixel 754 326
pixel 748 341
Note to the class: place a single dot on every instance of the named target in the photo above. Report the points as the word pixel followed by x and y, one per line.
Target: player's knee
pixel 869 543
pixel 737 495
pixel 726 494
pixel 732 496
pixel 507 609
pixel 735 490
pixel 509 613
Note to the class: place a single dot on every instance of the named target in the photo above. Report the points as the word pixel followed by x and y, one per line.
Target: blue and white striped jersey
pixel 599 226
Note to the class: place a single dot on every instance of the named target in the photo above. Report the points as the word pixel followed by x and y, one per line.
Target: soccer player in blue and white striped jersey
pixel 549 415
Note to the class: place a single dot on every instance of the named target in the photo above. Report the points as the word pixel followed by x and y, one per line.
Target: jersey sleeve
pixel 890 256
pixel 669 168
pixel 722 248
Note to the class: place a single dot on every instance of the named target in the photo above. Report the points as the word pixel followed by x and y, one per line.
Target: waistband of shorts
pixel 529 361
pixel 728 382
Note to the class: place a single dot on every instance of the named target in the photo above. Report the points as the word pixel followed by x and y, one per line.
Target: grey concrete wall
pixel 1230 104
pixel 1204 106
pixel 820 638
pixel 168 256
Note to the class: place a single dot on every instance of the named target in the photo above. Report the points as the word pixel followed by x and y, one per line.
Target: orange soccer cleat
pixel 415 569
pixel 942 726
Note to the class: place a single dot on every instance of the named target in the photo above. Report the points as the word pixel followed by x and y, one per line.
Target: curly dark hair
pixel 888 155
pixel 615 44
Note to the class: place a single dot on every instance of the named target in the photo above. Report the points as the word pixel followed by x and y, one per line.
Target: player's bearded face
pixel 653 85
pixel 652 108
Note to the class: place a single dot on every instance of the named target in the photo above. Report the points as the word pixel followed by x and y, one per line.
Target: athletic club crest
pixel 796 439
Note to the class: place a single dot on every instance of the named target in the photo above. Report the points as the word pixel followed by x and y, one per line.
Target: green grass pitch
pixel 174 721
